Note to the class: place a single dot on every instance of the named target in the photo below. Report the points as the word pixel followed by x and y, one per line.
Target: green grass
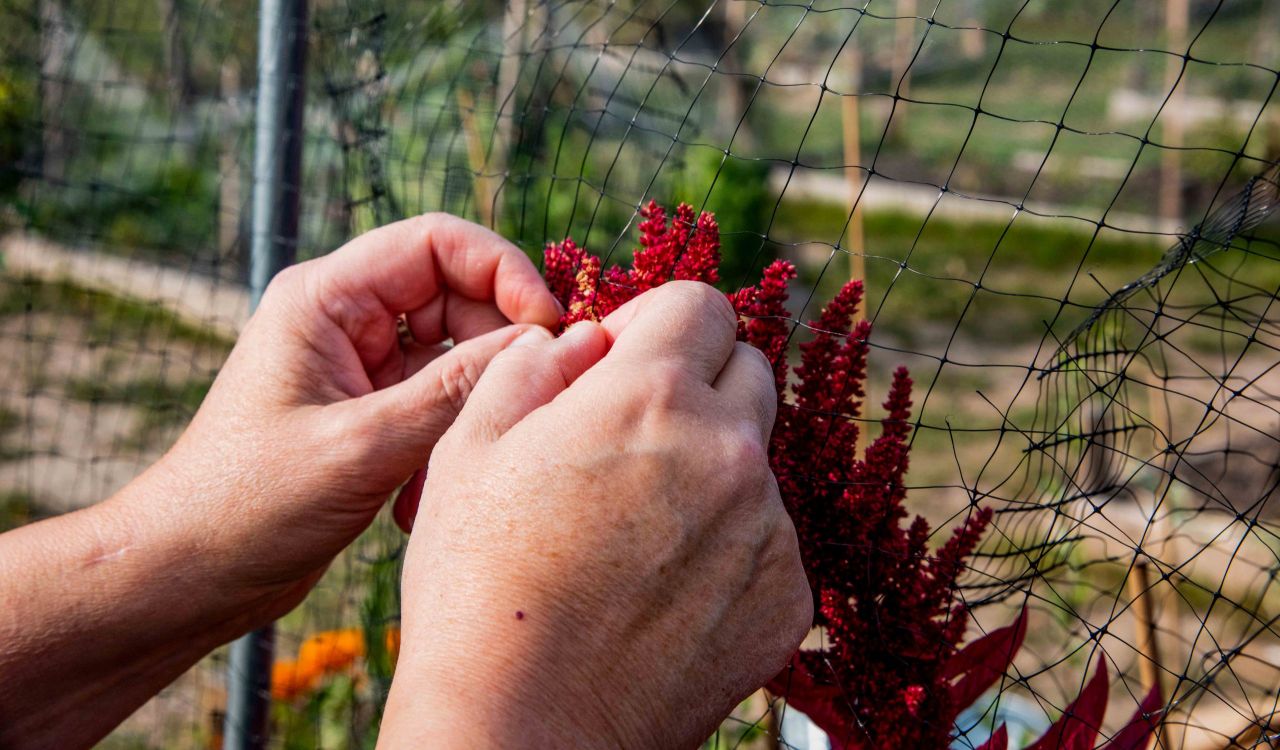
pixel 109 318
pixel 126 741
pixel 944 258
pixel 1035 245
pixel 16 509
pixel 9 421
pixel 162 403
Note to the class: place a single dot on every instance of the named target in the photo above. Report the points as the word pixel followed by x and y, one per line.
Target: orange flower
pixel 331 651
pixel 288 680
pixel 393 643
pixel 321 655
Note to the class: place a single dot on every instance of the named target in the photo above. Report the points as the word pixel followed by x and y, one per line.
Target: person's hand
pixel 321 411
pixel 602 557
pixel 324 408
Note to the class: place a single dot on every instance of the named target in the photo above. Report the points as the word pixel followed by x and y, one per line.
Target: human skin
pixel 319 413
pixel 601 559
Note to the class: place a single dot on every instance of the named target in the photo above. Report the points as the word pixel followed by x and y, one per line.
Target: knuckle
pixel 431 220
pixel 426 229
pixel 701 301
pixel 666 384
pixel 758 361
pixel 439 228
pixel 745 453
pixel 511 362
pixel 742 472
pixel 456 379
pixel 289 281
pixel 761 382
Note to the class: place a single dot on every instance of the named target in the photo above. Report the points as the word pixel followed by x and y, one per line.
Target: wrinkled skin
pixel 322 410
pixel 318 414
pixel 602 558
pixel 610 486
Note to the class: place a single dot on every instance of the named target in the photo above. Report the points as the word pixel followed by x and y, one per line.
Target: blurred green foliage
pixel 16 509
pixel 17 112
pixel 110 318
pixel 153 217
pixel 737 191
pixel 162 403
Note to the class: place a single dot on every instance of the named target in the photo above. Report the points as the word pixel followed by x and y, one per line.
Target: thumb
pixel 528 374
pixel 397 426
pixel 524 378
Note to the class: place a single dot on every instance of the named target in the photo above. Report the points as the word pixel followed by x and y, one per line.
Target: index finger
pixel 686 322
pixel 403 266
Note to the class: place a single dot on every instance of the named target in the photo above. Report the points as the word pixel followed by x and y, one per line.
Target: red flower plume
pixel 891 674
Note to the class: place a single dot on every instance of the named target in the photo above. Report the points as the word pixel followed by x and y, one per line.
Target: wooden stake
pixel 734 89
pixel 854 241
pixel 772 725
pixel 903 38
pixel 481 187
pixel 1145 637
pixel 515 26
pixel 1176 19
pixel 230 201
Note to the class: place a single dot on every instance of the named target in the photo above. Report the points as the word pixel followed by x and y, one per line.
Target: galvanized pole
pixel 277 175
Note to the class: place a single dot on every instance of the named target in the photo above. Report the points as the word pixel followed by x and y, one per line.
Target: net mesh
pixel 1063 214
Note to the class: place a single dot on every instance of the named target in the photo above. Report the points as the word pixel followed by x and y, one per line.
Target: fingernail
pixel 535 335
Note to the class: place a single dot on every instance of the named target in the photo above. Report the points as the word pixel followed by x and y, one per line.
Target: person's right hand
pixel 602 557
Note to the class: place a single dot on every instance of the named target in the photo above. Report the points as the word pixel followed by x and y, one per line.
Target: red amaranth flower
pixel 890 674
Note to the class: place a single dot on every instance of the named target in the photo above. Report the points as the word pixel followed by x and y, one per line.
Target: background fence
pixel 1000 173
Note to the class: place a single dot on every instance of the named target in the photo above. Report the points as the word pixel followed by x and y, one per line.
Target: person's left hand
pixel 325 407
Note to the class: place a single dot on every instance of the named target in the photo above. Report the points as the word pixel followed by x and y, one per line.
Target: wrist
pixel 498 687
pixel 160 545
pixel 456 704
pixel 116 616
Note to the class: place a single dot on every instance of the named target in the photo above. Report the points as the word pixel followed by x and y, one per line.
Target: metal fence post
pixel 277 174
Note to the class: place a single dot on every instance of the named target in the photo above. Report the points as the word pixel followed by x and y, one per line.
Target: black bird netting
pixel 1063 216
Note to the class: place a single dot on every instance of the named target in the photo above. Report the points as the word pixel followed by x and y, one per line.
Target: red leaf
pixel 823 704
pixel 999 740
pixel 1136 734
pixel 982 662
pixel 1078 726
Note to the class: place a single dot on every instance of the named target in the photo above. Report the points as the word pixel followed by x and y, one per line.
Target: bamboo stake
pixel 1146 642
pixel 851 126
pixel 903 35
pixel 1139 579
pixel 229 181
pixel 481 187
pixel 772 725
pixel 1164 504
pixel 515 25
pixel 1176 16
pixel 735 88
pixel 855 242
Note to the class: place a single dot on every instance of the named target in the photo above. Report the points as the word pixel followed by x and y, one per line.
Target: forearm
pixel 99 610
pixel 489 701
pixel 479 668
